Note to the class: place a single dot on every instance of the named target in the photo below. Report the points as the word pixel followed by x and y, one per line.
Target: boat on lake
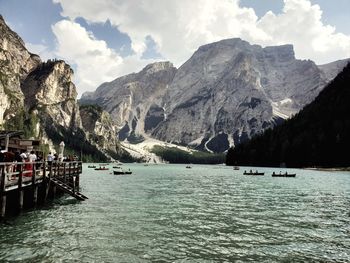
pixel 101 168
pixel 235 168
pixel 91 166
pixel 253 173
pixel 120 171
pixel 283 175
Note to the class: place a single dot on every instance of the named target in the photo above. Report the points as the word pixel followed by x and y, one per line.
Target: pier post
pixel 64 173
pixel 34 185
pixel 48 182
pixel 2 192
pixel 78 172
pixel 73 183
pixel 53 191
pixel 20 189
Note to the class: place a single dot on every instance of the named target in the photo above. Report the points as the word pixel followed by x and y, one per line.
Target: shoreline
pixel 340 169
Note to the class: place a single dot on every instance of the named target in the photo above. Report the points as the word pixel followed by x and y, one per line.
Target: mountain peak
pixel 157 66
pixel 282 51
pixel 231 42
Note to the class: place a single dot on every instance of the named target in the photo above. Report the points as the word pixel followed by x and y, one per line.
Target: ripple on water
pixel 207 213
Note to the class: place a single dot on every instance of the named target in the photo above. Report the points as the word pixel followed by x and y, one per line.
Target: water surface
pixel 168 213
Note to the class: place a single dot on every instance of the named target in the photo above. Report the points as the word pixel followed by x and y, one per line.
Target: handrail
pixel 18 173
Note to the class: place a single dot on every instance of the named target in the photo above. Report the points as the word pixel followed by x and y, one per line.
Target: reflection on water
pixel 207 213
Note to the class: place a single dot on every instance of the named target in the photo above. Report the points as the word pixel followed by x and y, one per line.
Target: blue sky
pixel 104 39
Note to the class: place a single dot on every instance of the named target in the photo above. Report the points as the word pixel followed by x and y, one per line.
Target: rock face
pixel 40 99
pixel 225 93
pixel 331 70
pixel 49 90
pixel 318 136
pixel 135 101
pixel 15 64
pixel 99 126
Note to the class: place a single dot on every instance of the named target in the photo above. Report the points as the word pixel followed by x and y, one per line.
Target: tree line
pixel 318 136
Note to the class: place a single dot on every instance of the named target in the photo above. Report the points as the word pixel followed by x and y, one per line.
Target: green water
pixel 167 213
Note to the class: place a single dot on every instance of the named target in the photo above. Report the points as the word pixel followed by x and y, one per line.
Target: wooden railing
pixel 21 175
pixel 13 175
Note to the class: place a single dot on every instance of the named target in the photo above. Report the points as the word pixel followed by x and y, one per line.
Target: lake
pixel 210 213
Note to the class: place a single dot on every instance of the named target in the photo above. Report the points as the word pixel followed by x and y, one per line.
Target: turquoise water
pixel 167 213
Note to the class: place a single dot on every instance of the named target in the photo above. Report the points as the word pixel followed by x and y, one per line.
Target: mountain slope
pixel 317 136
pixel 230 90
pixel 225 93
pixel 134 101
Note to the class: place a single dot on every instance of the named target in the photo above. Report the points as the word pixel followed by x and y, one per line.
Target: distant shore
pixel 340 169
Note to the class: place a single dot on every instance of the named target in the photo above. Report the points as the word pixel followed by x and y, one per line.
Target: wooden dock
pixel 24 185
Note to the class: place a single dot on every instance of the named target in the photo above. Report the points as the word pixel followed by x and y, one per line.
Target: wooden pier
pixel 24 185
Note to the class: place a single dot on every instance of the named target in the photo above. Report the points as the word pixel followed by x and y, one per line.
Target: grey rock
pixel 43 95
pixel 225 93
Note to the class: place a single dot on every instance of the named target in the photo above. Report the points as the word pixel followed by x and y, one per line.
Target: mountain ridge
pixel 225 93
pixel 318 136
pixel 40 98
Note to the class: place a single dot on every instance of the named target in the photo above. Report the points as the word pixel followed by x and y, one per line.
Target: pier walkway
pixel 21 182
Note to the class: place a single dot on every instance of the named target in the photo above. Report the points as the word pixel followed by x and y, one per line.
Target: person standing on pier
pixel 18 159
pixel 50 158
pixel 28 168
pixel 2 159
pixel 32 157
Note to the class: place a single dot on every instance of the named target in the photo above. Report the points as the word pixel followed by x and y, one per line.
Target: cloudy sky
pixel 105 39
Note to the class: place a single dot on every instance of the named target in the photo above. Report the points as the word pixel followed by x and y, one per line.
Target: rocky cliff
pixel 99 126
pixel 318 136
pixel 15 64
pixel 135 101
pixel 225 93
pixel 41 99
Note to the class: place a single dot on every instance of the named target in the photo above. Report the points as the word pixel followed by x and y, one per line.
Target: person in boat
pixel 286 173
pixel 250 171
pixel 245 171
pixel 256 171
pixel 273 174
pixel 280 173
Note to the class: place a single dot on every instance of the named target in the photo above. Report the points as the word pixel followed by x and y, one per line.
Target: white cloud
pixel 42 50
pixel 180 27
pixel 300 24
pixel 95 62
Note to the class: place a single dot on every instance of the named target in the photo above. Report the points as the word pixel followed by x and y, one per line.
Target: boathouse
pixel 25 184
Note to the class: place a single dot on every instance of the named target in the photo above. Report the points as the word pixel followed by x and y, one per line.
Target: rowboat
pixel 121 171
pixel 253 173
pixel 101 168
pixel 283 175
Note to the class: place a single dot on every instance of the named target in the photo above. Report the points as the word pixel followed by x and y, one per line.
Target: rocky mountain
pixel 135 101
pixel 318 136
pixel 41 99
pixel 331 70
pixel 225 93
pixel 99 126
pixel 15 65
